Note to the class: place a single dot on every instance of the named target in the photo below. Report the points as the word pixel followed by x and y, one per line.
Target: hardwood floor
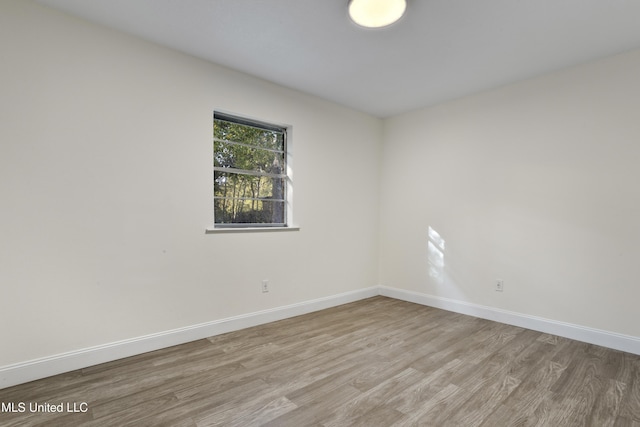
pixel 376 362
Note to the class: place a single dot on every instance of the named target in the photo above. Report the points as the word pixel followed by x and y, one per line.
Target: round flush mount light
pixel 376 13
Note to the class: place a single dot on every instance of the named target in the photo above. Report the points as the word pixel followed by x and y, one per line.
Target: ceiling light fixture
pixel 376 13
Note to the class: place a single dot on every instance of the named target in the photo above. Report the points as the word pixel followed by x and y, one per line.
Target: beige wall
pixel 536 184
pixel 106 190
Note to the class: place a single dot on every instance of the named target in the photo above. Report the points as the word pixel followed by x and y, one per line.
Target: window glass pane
pixel 241 211
pixel 247 158
pixel 234 185
pixel 236 132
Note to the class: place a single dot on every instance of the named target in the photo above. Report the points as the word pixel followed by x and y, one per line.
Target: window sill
pixel 250 230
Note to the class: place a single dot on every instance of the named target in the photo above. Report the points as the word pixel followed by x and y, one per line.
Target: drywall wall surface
pixel 535 184
pixel 106 185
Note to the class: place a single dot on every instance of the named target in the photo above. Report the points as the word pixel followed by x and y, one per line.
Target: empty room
pixel 319 213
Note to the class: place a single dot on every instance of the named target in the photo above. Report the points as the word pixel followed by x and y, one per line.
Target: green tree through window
pixel 249 164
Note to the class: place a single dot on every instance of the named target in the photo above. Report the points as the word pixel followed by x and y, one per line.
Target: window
pixel 249 173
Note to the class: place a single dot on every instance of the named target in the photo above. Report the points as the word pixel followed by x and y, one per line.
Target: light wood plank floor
pixel 376 362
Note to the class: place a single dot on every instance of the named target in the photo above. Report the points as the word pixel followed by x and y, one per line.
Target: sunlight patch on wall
pixel 435 255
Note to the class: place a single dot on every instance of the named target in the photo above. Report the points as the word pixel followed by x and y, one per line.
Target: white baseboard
pixel 612 340
pixel 23 372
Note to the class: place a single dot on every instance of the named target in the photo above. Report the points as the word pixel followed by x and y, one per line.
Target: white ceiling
pixel 440 50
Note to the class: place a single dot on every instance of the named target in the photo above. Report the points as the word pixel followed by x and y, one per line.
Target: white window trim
pixel 289 187
pixel 250 229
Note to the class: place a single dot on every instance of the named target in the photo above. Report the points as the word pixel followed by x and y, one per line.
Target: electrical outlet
pixel 265 286
pixel 499 285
